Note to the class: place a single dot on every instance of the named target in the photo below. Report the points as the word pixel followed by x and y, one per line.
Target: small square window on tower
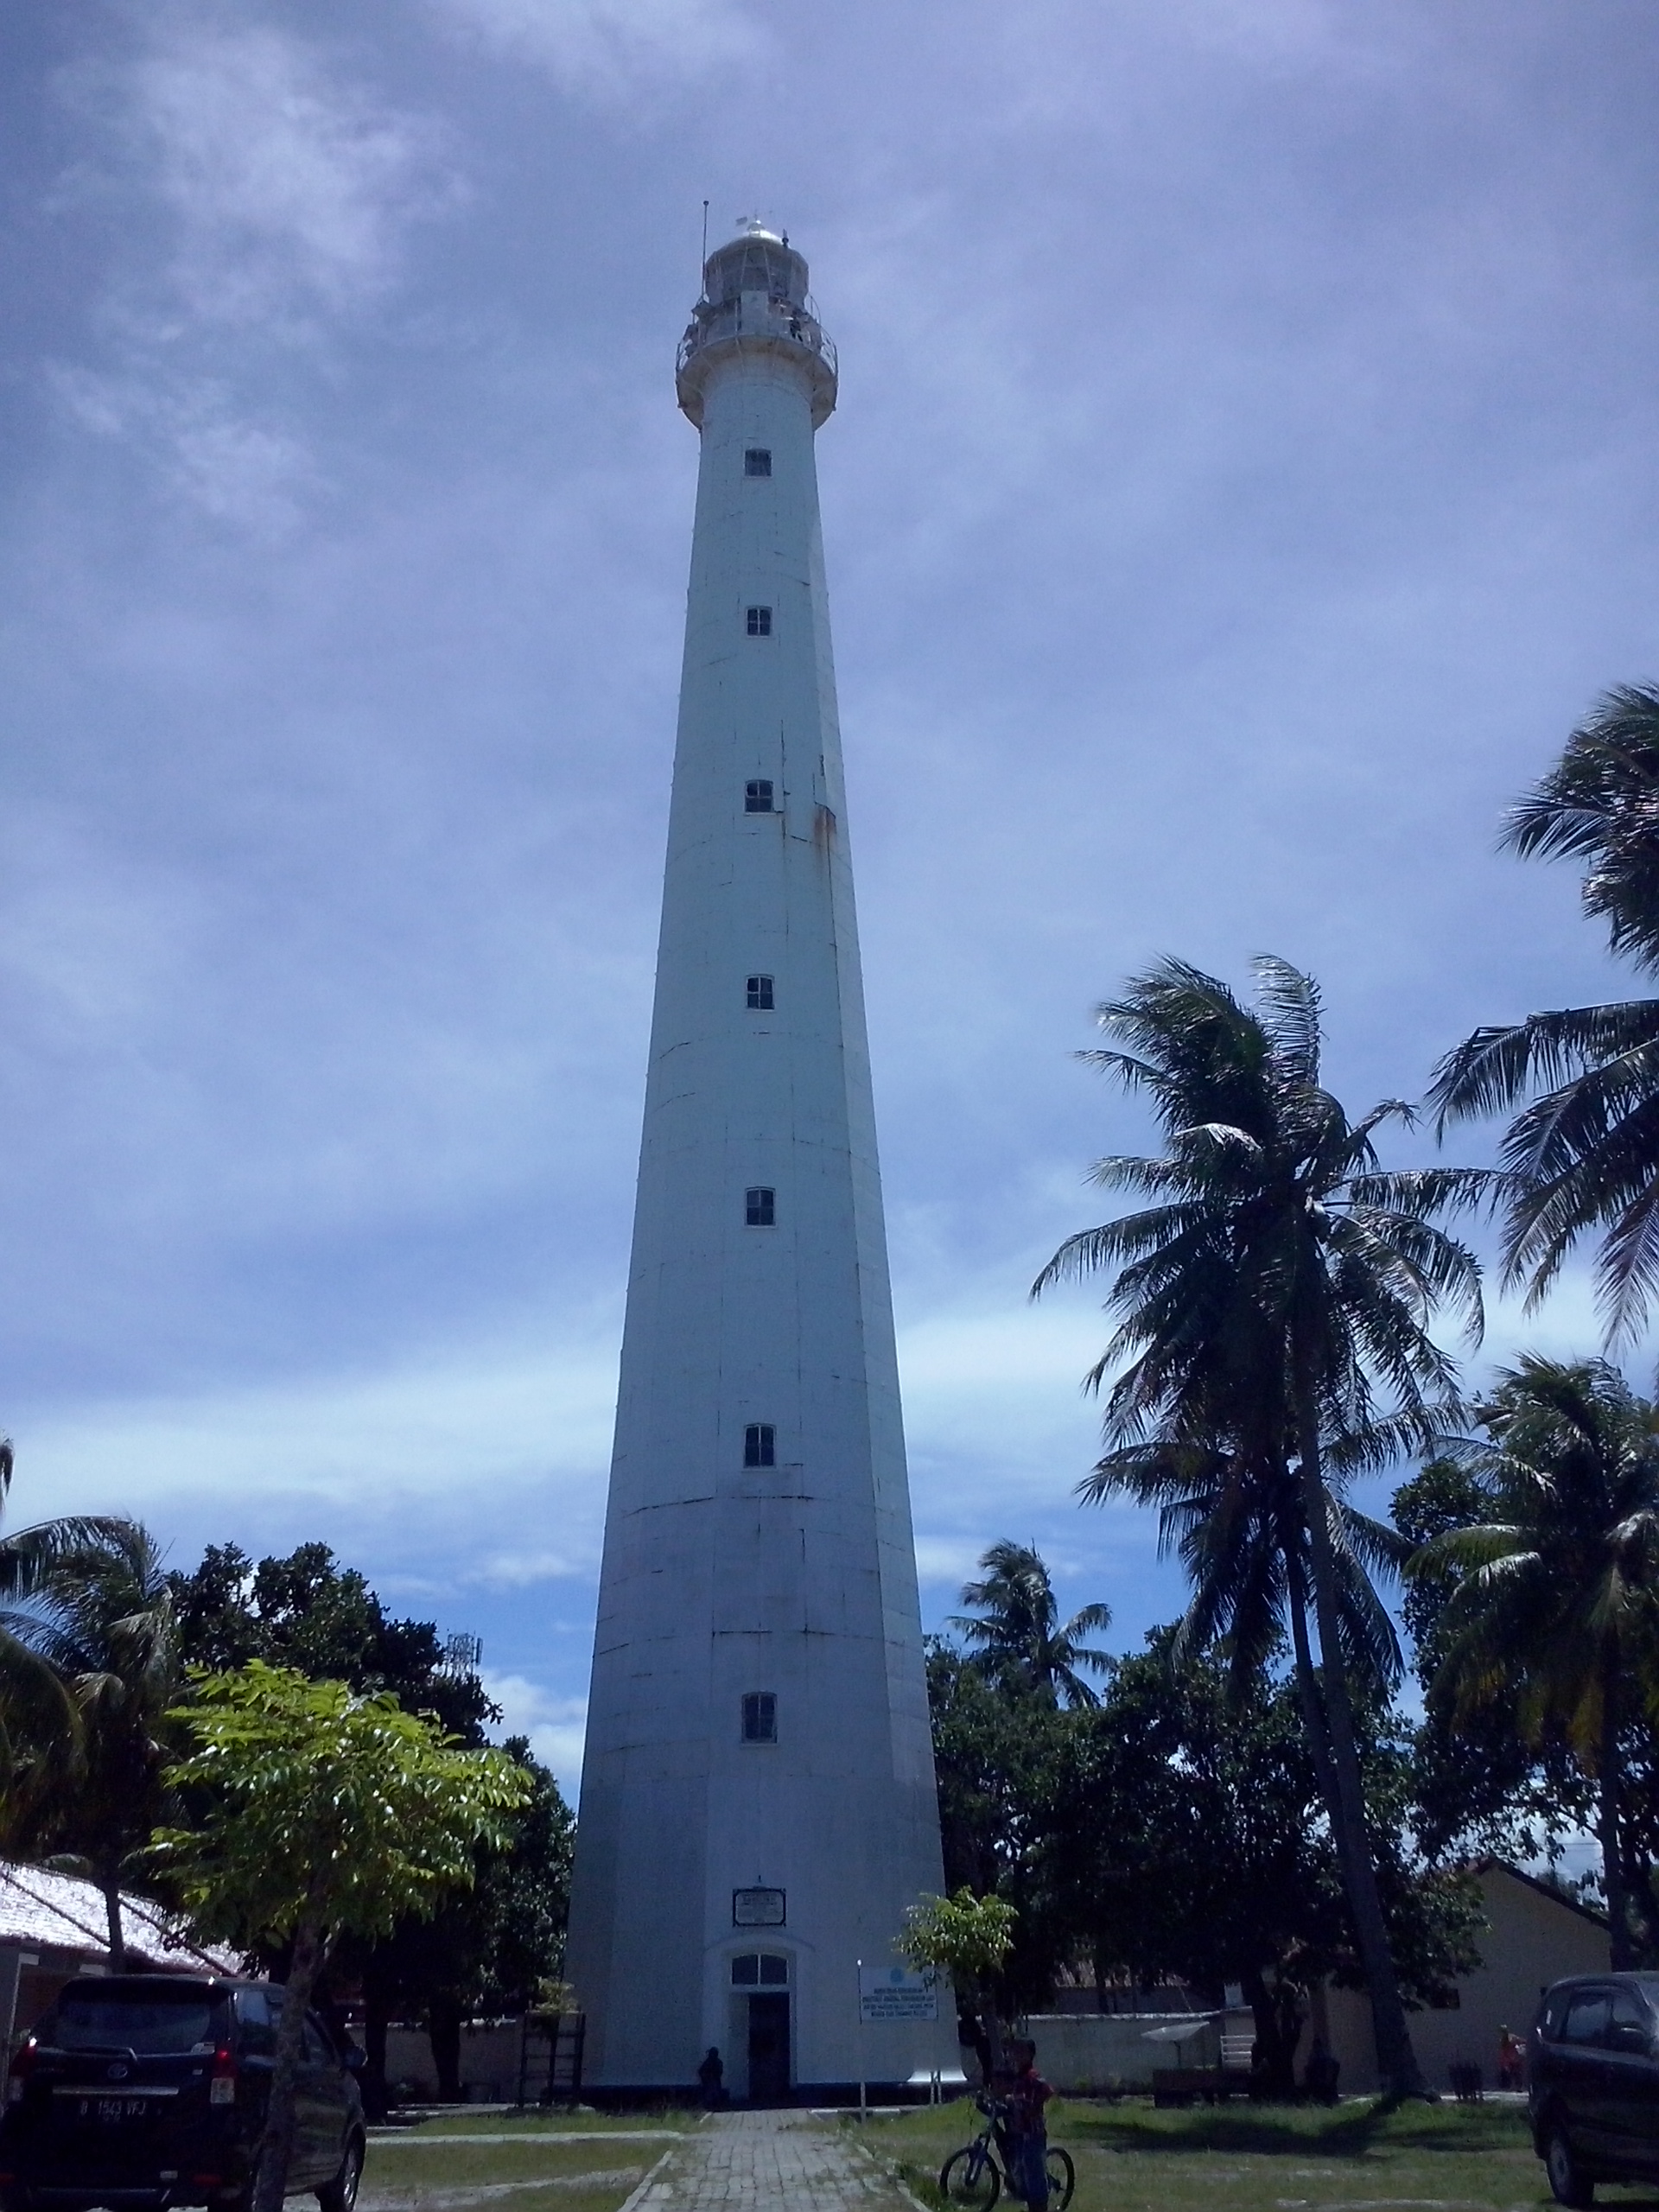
pixel 760 993
pixel 757 797
pixel 760 1208
pixel 759 622
pixel 760 1444
pixel 759 1717
pixel 757 461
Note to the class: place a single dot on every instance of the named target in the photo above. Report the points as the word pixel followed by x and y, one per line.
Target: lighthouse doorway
pixel 769 2066
pixel 759 2019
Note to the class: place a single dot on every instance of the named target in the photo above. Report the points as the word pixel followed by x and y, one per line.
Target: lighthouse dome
pixel 756 260
pixel 755 300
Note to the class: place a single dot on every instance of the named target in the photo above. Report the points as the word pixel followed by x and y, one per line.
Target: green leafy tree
pixel 988 1744
pixel 307 1611
pixel 1185 1838
pixel 1186 1841
pixel 1019 1634
pixel 324 1813
pixel 1478 1784
pixel 995 1739
pixel 487 1949
pixel 1583 1155
pixel 1552 1619
pixel 966 1938
pixel 999 1724
pixel 85 1786
pixel 1273 1303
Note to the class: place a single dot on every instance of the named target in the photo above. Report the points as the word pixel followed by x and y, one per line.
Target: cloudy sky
pixel 1244 475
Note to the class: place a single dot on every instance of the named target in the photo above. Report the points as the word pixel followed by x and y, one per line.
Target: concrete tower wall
pixel 795 1580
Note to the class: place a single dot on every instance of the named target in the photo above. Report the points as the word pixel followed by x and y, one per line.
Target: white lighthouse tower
pixel 758 1799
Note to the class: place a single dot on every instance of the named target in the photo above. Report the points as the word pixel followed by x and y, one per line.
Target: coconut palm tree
pixel 85 1788
pixel 1553 1616
pixel 1583 1155
pixel 1239 1529
pixel 1272 1308
pixel 27 1554
pixel 1019 1637
pixel 36 1702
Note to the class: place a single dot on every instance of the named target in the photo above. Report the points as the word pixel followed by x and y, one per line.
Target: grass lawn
pixel 543 2166
pixel 1351 2157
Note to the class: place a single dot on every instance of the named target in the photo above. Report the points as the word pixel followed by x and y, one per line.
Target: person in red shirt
pixel 1027 2129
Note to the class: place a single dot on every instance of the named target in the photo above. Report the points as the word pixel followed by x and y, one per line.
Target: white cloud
pixel 610 47
pixel 991 1390
pixel 288 189
pixel 213 453
pixel 286 194
pixel 90 939
pixel 521 1570
pixel 474 1430
pixel 946 1558
pixel 1566 1327
pixel 556 1727
pixel 990 1350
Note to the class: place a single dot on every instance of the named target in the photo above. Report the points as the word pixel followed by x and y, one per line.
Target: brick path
pixel 767 2161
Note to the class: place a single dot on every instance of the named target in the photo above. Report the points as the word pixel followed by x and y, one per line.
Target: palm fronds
pixel 1016 1632
pixel 1582 1154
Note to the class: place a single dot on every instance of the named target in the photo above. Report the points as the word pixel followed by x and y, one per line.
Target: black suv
pixel 150 2090
pixel 1593 2083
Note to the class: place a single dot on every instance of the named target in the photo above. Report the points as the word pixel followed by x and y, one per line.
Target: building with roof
pixel 1534 1934
pixel 53 1927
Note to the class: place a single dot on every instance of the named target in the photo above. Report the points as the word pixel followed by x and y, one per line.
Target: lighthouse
pixel 758 1799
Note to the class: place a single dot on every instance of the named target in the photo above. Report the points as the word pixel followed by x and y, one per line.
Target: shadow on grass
pixel 1349 2130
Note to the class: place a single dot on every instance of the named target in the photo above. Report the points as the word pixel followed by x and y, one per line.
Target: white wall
pixel 1082 2053
pixel 1530 1939
pixel 797 1579
pixel 489 2062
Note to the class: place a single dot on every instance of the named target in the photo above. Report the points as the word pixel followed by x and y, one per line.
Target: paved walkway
pixel 767 2161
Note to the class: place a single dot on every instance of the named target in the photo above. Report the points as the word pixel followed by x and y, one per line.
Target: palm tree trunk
pixel 1307 1684
pixel 1621 1951
pixel 277 2144
pixel 1397 2060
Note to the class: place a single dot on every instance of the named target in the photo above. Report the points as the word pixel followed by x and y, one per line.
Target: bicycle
pixel 978 2172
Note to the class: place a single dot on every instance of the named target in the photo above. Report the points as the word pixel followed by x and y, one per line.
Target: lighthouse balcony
pixel 754 322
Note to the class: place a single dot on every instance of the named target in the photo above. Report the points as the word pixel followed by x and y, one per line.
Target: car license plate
pixel 111 2111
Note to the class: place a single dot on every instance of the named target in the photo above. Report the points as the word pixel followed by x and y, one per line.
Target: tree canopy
pixel 1583 1154
pixel 1274 1306
pixel 94 1619
pixel 1553 1616
pixel 1016 1633
pixel 321 1812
